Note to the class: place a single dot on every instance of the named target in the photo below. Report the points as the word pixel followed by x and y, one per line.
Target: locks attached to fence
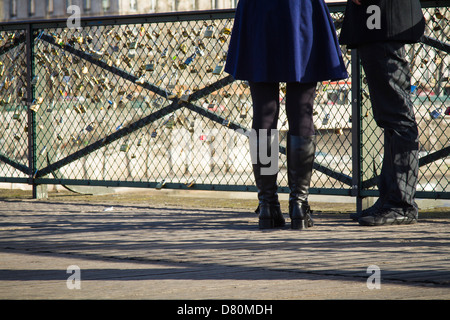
pixel 140 140
pixel 183 48
pixel 36 104
pixel 326 119
pixel 160 184
pixel 185 96
pixel 149 66
pixel 218 70
pixel 169 123
pixel 209 32
pixel 90 127
pixel 188 61
pixel 157 102
pixel 243 111
pixel 125 147
pixel 436 113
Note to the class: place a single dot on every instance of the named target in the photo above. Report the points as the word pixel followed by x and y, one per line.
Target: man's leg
pixel 388 78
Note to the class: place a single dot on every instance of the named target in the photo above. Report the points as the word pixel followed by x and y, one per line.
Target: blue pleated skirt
pixel 284 41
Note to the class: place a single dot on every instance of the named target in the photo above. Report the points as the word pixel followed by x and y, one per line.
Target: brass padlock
pixel 438 14
pixel 82 108
pixel 226 31
pixel 201 45
pixel 183 48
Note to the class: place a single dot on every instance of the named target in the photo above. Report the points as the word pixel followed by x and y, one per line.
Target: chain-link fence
pixel 143 101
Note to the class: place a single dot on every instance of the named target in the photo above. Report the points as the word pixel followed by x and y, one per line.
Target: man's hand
pixel 358 2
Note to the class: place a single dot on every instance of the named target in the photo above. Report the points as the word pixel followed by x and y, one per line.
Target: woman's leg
pixel 300 150
pixel 266 106
pixel 299 108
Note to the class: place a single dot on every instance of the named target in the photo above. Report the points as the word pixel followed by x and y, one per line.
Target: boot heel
pixel 298 224
pixel 266 223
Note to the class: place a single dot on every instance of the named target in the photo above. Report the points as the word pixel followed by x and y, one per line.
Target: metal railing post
pixel 356 128
pixel 38 191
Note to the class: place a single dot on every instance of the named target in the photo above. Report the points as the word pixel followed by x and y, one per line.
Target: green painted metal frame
pixel 356 187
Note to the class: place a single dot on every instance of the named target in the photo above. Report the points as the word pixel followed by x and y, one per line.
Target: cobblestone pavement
pixel 145 250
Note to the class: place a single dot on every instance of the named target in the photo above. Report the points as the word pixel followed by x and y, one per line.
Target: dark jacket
pixel 400 20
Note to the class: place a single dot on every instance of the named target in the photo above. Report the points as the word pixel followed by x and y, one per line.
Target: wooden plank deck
pixel 152 249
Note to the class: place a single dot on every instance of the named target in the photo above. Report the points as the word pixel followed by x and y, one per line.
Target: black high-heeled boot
pixel 269 212
pixel 300 160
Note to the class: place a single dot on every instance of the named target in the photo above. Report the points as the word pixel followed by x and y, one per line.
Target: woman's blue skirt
pixel 284 41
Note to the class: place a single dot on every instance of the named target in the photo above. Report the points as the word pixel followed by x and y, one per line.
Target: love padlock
pixel 326 119
pixel 436 113
pixel 219 69
pixel 185 96
pixel 209 32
